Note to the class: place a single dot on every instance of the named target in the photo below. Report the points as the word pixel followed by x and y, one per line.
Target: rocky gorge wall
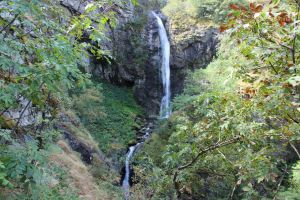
pixel 190 54
pixel 135 50
pixel 136 54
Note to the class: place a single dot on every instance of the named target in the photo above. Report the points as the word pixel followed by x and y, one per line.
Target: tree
pixel 237 133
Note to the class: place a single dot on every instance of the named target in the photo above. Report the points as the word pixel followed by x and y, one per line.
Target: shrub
pixel 26 173
pixel 215 10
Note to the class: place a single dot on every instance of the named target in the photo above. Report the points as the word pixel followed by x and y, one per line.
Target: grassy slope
pixel 86 184
pixel 111 114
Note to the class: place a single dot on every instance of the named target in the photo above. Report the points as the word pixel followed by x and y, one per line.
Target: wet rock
pixel 85 151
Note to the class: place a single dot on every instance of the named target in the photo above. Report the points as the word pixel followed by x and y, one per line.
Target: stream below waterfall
pixel 126 181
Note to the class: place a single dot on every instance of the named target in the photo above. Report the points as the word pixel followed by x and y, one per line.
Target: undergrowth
pixel 111 115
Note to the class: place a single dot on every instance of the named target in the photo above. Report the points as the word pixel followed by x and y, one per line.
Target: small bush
pixel 215 10
pixel 27 174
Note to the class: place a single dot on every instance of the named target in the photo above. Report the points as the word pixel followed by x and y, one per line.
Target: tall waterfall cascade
pixel 165 106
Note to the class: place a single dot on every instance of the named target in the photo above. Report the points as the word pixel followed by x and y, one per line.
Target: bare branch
pixel 211 148
pixel 292 145
pixel 295 149
pixel 10 23
pixel 202 152
pixel 233 189
pixel 21 115
pixel 294 120
pixel 280 182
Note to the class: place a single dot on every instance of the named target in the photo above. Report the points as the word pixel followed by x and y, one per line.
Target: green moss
pixel 115 125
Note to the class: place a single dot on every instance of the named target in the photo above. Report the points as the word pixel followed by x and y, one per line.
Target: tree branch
pixel 274 42
pixel 23 111
pixel 292 145
pixel 295 37
pixel 202 152
pixel 10 23
pixel 233 189
pixel 211 148
pixel 293 119
pixel 280 182
pixel 276 72
pixel 295 149
pixel 21 115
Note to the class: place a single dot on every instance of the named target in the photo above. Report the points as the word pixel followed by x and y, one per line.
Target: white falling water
pixel 132 149
pixel 131 6
pixel 165 107
pixel 125 183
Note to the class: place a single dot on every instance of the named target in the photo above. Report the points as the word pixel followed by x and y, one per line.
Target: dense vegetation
pixel 111 115
pixel 235 129
pixel 41 48
pixel 215 10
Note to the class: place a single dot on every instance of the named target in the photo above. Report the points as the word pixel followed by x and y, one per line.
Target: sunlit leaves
pixel 263 107
pixel 294 81
pixel 36 62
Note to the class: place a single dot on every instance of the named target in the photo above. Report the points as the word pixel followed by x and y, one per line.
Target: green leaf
pixel 294 81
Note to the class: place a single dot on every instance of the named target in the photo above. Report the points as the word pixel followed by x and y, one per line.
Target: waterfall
pixel 165 107
pixel 131 7
pixel 126 181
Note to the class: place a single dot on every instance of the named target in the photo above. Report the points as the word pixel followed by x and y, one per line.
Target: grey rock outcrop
pixel 75 6
pixel 136 54
pixel 190 54
pixel 25 114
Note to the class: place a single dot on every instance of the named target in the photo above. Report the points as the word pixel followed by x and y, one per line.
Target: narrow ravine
pixel 165 107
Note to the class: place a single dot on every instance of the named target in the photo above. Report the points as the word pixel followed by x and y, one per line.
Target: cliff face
pixel 195 52
pixel 137 57
pixel 135 50
pixel 191 53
